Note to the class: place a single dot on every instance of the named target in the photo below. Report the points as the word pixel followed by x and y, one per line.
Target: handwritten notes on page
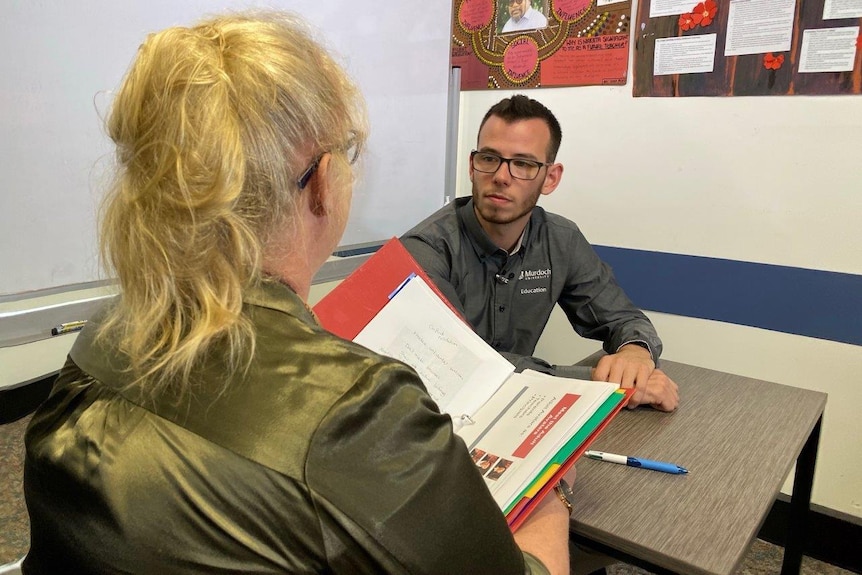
pixel 459 369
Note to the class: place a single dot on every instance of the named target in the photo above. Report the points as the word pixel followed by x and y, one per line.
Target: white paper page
pixel 670 7
pixel 457 367
pixel 529 419
pixel 759 26
pixel 600 3
pixel 686 55
pixel 836 9
pixel 828 50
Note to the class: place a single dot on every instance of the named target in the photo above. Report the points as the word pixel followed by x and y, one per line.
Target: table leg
pixel 800 501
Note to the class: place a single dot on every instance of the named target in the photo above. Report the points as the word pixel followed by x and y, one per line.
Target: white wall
pixel 759 179
pixel 769 179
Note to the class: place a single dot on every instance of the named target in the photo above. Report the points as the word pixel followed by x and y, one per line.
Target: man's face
pixel 517 8
pixel 498 198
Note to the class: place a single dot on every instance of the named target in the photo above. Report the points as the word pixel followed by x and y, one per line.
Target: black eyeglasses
pixel 351 149
pixel 520 168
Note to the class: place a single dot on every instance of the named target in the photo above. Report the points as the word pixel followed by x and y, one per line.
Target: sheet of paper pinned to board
pixel 759 26
pixel 838 9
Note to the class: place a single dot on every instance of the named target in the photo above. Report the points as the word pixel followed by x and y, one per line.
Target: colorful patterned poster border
pixel 540 43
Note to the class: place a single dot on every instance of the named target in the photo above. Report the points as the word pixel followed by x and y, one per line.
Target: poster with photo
pixel 540 43
pixel 748 47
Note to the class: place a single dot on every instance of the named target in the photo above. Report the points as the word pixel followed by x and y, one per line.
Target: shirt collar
pixel 105 362
pixel 517 247
pixel 273 294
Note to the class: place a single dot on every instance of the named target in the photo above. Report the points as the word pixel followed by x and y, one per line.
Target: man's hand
pixel 659 391
pixel 632 366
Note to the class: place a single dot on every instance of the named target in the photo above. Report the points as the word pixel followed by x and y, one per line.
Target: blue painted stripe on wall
pixel 814 303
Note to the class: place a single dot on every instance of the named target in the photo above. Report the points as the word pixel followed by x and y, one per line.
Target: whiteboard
pixel 62 60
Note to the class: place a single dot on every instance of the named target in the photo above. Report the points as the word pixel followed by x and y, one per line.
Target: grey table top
pixel 738 437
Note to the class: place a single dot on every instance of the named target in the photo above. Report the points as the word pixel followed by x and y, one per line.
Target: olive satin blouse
pixel 322 457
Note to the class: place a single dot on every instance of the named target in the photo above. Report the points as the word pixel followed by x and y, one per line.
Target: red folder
pixel 355 301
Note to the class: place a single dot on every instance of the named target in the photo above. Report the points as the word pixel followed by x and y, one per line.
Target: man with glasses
pixel 505 262
pixel 522 16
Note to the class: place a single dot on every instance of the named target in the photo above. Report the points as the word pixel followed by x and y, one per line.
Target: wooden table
pixel 738 437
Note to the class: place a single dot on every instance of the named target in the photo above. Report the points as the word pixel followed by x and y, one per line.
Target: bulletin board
pixel 748 47
pixel 578 43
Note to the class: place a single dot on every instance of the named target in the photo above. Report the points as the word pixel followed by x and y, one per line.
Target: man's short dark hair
pixel 520 107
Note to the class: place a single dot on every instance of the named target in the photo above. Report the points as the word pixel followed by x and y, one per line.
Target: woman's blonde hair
pixel 212 125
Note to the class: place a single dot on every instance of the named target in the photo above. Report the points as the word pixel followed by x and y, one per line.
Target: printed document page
pixel 458 368
pixel 759 26
pixel 519 430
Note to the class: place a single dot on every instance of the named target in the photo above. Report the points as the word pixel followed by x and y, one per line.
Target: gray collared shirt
pixel 508 298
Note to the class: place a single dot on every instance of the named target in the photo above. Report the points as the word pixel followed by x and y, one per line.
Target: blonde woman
pixel 202 423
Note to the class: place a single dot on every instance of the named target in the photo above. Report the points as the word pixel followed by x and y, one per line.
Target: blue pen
pixel 636 462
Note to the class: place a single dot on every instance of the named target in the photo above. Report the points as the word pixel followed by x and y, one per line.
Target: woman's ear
pixel 318 188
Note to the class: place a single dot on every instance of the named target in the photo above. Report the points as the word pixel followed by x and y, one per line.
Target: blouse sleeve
pixel 396 490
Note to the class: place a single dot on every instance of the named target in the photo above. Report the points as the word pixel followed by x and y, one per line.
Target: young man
pixel 505 263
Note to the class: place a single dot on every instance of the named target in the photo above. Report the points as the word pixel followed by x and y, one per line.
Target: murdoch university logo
pixel 534 274
pixel 528 275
